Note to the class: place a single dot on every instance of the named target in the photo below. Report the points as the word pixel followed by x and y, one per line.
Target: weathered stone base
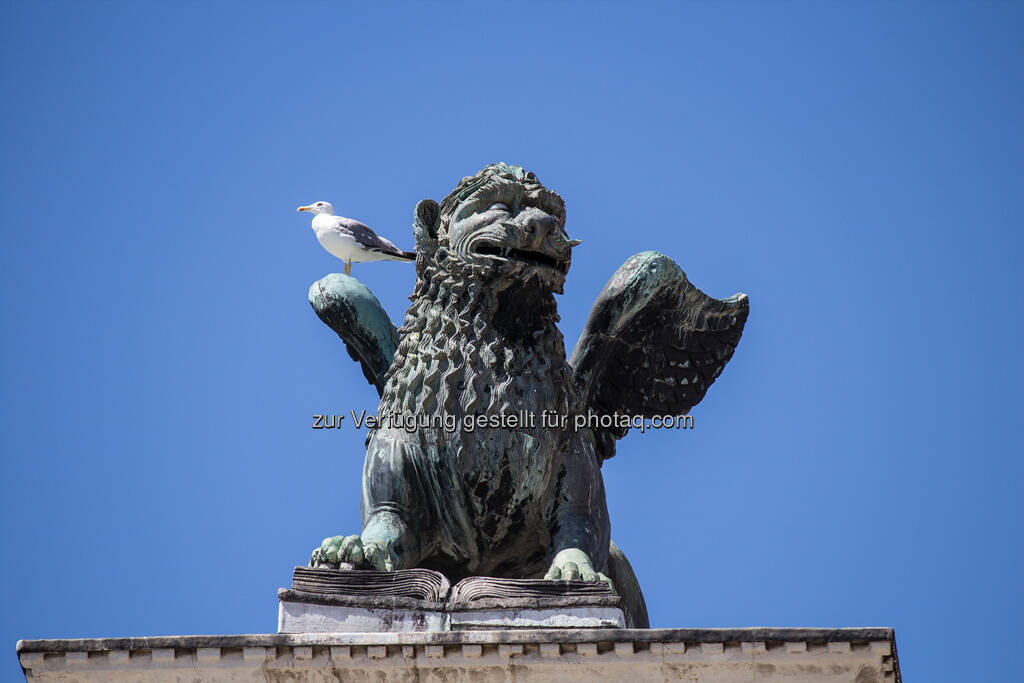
pixel 705 655
pixel 562 617
pixel 305 617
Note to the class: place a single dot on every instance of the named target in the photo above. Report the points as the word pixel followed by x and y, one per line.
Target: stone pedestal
pixel 348 601
pixel 413 626
pixel 866 655
pixel 301 612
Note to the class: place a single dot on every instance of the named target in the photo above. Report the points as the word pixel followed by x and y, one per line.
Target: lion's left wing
pixel 653 343
pixel 349 308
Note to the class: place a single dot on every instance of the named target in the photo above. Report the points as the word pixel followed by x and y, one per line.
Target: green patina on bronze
pixel 480 338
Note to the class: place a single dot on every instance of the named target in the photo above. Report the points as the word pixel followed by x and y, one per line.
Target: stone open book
pixel 330 600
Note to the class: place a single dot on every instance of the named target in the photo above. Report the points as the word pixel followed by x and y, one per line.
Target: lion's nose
pixel 539 225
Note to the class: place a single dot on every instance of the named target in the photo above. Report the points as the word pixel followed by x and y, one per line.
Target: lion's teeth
pixel 506 252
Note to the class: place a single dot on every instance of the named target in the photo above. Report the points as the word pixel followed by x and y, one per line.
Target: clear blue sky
pixel 855 168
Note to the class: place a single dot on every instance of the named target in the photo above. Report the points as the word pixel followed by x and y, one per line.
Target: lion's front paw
pixel 572 564
pixel 351 550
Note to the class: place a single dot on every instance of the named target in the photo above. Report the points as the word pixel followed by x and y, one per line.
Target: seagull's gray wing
pixel 368 239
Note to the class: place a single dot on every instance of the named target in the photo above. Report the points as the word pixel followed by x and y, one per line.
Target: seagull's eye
pixel 498 206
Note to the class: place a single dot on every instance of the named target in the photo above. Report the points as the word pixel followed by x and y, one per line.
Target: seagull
pixel 350 240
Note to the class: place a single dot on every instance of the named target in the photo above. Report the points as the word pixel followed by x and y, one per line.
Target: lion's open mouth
pixel 534 258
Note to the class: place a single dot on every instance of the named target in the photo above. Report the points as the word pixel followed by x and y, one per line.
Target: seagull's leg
pixel 348 267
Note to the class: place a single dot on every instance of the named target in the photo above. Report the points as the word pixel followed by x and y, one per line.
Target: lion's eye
pixel 498 206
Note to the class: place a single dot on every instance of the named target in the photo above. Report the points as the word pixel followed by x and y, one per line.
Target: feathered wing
pixel 653 344
pixel 349 308
pixel 367 238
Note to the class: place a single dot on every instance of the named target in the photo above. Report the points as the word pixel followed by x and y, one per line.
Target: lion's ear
pixel 424 225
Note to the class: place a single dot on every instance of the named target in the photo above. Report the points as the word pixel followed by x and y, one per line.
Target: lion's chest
pixel 504 400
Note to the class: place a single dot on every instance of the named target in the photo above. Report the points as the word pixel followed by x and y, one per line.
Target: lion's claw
pixel 351 550
pixel 340 550
pixel 572 564
pixel 378 557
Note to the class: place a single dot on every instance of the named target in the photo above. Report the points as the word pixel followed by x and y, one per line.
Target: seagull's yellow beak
pixel 305 208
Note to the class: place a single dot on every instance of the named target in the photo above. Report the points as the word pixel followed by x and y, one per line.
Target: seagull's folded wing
pixel 369 240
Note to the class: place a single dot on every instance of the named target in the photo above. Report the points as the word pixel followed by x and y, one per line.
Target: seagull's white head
pixel 317 208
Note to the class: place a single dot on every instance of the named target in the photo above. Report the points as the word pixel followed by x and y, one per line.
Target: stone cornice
pixel 629 655
pixel 654 635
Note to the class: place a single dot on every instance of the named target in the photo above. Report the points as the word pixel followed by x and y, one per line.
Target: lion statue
pixel 480 341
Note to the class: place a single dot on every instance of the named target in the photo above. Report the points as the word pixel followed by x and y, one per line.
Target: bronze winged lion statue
pixel 480 340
